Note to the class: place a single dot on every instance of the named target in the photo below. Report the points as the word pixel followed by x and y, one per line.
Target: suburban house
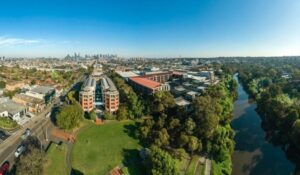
pixel 11 109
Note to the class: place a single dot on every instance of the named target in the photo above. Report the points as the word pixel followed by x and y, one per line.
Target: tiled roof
pixel 145 82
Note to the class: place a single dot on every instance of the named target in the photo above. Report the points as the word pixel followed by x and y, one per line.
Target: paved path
pixel 207 167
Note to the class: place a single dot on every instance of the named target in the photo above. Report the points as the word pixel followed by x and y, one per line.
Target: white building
pixel 11 109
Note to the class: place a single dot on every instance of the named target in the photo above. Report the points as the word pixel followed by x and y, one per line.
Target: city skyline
pixel 150 28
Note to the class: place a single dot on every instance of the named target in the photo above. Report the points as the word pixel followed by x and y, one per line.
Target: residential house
pixel 11 109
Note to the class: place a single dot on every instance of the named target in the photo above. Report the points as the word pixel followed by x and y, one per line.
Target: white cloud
pixel 7 41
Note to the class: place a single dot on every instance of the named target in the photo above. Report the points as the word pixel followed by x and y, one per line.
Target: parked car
pixel 26 134
pixel 20 150
pixel 3 136
pixel 48 114
pixel 4 168
pixel 29 115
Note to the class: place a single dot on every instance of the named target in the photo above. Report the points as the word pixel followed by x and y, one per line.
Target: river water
pixel 253 155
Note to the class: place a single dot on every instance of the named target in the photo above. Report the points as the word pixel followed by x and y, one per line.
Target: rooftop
pixel 107 84
pixel 181 101
pixel 127 74
pixel 28 98
pixel 145 82
pixel 111 85
pixel 192 93
pixel 42 89
pixel 10 106
pixel 89 82
pixel 157 73
pixel 179 88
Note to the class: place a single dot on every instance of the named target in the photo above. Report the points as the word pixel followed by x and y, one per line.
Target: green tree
pixel 159 162
pixel 189 126
pixel 33 82
pixel 122 113
pixel 2 84
pixel 161 137
pixel 93 115
pixel 31 161
pixel 69 116
pixel 162 101
pixel 193 144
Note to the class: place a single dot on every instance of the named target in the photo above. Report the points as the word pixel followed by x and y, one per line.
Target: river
pixel 253 155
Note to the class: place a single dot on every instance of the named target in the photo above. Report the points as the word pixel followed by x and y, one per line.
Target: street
pixel 39 125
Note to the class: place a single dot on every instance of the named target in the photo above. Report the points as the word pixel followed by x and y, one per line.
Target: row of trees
pixel 131 106
pixel 204 130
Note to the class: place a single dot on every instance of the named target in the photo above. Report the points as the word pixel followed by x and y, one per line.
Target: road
pixel 39 125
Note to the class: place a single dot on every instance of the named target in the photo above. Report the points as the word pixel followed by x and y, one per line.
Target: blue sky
pixel 150 28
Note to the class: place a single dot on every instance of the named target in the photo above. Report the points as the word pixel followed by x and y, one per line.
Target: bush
pixel 93 115
pixel 180 154
pixel 109 116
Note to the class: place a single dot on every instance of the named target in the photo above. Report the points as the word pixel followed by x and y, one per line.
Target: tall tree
pixel 159 162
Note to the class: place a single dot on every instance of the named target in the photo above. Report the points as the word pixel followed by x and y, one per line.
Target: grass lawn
pixel 99 148
pixel 183 164
pixel 192 166
pixel 56 160
pixel 7 123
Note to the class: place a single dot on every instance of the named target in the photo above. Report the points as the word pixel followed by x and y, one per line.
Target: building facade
pixel 87 94
pixel 147 86
pixel 110 95
pixel 11 109
pixel 160 77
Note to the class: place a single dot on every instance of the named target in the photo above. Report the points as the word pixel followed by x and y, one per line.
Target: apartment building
pixel 87 94
pixel 110 95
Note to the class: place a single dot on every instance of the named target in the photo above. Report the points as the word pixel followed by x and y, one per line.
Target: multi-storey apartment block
pixel 87 94
pixel 110 95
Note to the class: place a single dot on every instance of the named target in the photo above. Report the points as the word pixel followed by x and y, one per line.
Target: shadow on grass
pixel 132 131
pixel 76 172
pixel 133 161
